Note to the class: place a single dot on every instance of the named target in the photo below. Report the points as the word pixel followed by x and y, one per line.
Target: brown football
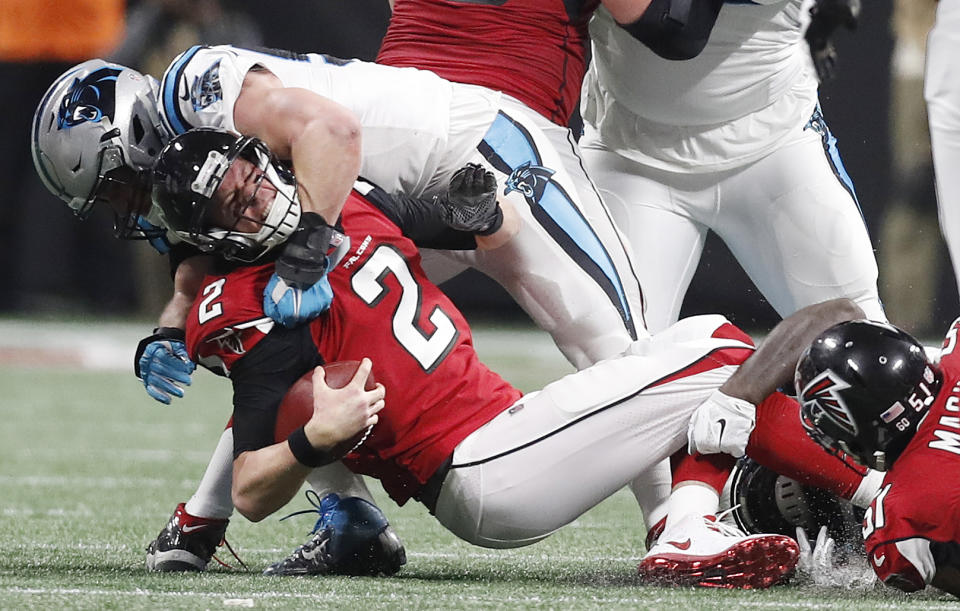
pixel 297 406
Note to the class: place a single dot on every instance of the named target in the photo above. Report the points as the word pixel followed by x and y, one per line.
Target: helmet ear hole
pixel 138 131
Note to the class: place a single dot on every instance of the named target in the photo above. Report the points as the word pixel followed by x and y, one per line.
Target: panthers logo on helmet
pixel 206 88
pixel 823 394
pixel 89 99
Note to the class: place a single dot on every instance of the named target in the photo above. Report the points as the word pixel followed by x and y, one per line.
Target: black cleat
pixel 187 543
pixel 351 537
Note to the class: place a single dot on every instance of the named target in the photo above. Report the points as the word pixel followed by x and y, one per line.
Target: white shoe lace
pixel 724 528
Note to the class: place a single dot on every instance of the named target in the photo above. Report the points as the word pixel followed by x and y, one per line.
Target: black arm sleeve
pixel 260 381
pixel 676 29
pixel 420 221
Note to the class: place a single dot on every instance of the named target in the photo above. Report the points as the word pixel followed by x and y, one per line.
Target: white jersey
pixel 736 101
pixel 406 116
pixel 568 269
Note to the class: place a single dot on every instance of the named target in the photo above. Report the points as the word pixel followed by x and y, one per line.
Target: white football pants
pixel 568 268
pixel 791 220
pixel 558 452
pixel 942 92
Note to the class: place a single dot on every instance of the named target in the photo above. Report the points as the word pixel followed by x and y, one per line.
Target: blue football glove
pixel 161 362
pixel 290 305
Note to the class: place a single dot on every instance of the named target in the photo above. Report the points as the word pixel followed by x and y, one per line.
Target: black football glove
pixel 471 203
pixel 303 260
pixel 825 17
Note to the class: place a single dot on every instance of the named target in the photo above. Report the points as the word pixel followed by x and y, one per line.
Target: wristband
pixel 495 225
pixel 305 453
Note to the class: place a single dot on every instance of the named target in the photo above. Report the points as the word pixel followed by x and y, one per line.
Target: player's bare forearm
pixel 320 137
pixel 327 163
pixel 265 480
pixel 772 365
pixel 507 231
pixel 187 282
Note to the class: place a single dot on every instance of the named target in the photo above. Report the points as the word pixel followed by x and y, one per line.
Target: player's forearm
pixel 509 228
pixel 772 365
pixel 327 161
pixel 319 136
pixel 265 480
pixel 186 284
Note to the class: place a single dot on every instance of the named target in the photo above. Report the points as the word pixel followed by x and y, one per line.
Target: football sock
pixel 691 498
pixel 335 477
pixel 710 469
pixel 652 491
pixel 213 496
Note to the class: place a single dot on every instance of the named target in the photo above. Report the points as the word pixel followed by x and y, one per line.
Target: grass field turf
pixel 91 468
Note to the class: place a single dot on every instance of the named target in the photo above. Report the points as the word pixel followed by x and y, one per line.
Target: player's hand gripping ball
pixel 297 405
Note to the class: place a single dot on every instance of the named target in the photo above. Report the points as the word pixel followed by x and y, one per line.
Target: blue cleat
pixel 351 537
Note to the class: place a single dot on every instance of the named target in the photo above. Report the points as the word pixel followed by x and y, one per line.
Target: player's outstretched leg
pixel 702 551
pixel 186 543
pixel 351 537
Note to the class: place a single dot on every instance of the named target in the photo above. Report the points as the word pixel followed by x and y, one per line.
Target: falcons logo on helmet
pixel 823 392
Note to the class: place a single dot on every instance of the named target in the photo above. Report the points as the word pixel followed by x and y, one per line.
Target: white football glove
pixel 817 564
pixel 721 424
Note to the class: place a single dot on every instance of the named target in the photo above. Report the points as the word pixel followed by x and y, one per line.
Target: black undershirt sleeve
pixel 261 379
pixel 420 221
pixel 676 29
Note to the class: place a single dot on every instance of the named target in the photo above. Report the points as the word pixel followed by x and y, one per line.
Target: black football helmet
pixel 187 175
pixel 863 388
pixel 763 501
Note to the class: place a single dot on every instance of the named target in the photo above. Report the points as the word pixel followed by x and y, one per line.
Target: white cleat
pixel 701 551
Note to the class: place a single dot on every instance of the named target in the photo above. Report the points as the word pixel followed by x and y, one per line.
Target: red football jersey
pixel 532 50
pixel 384 308
pixel 913 524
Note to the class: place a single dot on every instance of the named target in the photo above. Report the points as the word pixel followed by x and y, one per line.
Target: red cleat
pixel 700 551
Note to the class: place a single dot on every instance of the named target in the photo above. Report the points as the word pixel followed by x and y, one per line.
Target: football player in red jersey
pixel 451 433
pixel 868 389
pixel 538 62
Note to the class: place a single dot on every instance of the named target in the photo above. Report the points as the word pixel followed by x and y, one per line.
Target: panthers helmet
pixel 185 180
pixel 98 126
pixel 863 388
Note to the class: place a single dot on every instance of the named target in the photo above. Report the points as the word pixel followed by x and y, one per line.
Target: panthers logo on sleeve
pixel 206 88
